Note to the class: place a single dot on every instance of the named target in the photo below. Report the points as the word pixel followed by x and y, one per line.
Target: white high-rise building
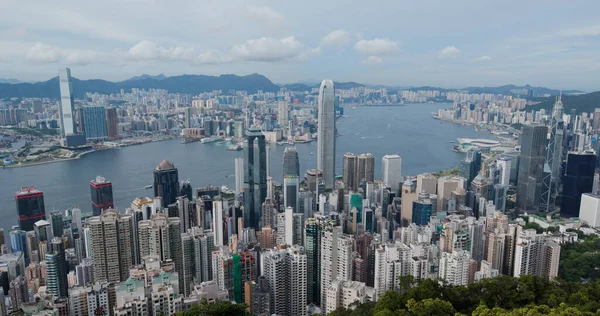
pixel 285 271
pixel 504 164
pixel 454 267
pixel 589 210
pixel 342 294
pixel 67 104
pixel 426 182
pixel 326 133
pixel 392 260
pixel 282 114
pixel 391 166
pixel 336 251
pixel 536 254
pixel 239 174
pixel 218 222
pixel 445 187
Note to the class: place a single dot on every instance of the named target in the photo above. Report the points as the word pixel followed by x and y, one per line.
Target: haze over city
pixel 400 43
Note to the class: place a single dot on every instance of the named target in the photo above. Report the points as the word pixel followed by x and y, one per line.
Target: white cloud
pixel 581 31
pixel 372 60
pixel 266 15
pixel 46 54
pixel 376 47
pixel 337 38
pixel 449 51
pixel 149 50
pixel 483 58
pixel 268 49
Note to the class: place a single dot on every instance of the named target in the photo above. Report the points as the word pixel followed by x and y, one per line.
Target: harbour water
pixel 409 131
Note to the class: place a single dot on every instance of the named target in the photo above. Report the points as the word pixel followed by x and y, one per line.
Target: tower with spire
pixel 553 161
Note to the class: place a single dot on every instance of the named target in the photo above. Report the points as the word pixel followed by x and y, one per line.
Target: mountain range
pixel 580 103
pixel 195 84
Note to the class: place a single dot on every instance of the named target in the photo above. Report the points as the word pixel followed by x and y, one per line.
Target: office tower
pixel 480 186
pixel 536 254
pixel 290 191
pixel 578 179
pixel 94 118
pixel 67 104
pixel 261 297
pixel 30 207
pixel 326 133
pixel 291 163
pixel 531 163
pixel 589 210
pixel 56 269
pixel 348 171
pixel 504 164
pixel 445 187
pixel 552 164
pixel 454 267
pixel 285 272
pixel 102 195
pixel 111 123
pixel 185 210
pixel 426 182
pixel 217 224
pixel 255 177
pixel 365 168
pixel 391 169
pixel 470 166
pixel 112 243
pixel 239 175
pixel 57 224
pixel 282 114
pixel 18 243
pixel 336 251
pixel 422 209
pixel 166 183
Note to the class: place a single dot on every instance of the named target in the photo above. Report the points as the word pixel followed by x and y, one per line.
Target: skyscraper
pixel 18 242
pixel 57 224
pixel 391 166
pixel 578 179
pixel 67 104
pixel 552 165
pixel 94 118
pixel 365 168
pixel 326 133
pixel 282 113
pixel 285 271
pixel 454 267
pixel 348 171
pixel 336 256
pixel 166 183
pixel 290 191
pixel 30 207
pixel 314 228
pixel 102 195
pixel 422 209
pixel 111 240
pixel 239 174
pixel 531 163
pixel 291 163
pixel 56 269
pixel 111 123
pixel 255 177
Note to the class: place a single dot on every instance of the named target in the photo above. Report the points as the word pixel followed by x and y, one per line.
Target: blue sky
pixel 450 44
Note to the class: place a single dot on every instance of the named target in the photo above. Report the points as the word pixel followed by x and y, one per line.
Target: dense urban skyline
pixel 536 42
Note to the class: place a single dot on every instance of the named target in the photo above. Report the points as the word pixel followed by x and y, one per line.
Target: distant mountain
pixel 145 76
pixel 10 80
pixel 337 85
pixel 510 89
pixel 581 103
pixel 189 84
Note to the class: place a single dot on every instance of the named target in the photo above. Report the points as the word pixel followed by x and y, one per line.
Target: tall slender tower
pixel 166 182
pixel 326 133
pixel 255 177
pixel 291 164
pixel 552 164
pixel 391 167
pixel 531 164
pixel 67 104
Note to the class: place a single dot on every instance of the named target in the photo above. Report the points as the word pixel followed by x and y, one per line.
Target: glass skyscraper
pixel 255 177
pixel 326 133
pixel 578 179
pixel 94 118
pixel 67 103
pixel 531 164
pixel 166 183
pixel 291 164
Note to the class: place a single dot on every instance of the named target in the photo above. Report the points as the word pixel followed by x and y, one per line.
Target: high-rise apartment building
pixel 578 179
pixel 391 170
pixel 345 294
pixel 536 254
pixel 94 118
pixel 67 104
pixel 285 271
pixel 217 224
pixel 102 195
pixel 166 183
pixel 391 260
pixel 454 267
pixel 239 175
pixel 291 163
pixel 531 164
pixel 348 171
pixel 112 243
pixel 255 177
pixel 314 228
pixel 336 252
pixel 30 207
pixel 326 133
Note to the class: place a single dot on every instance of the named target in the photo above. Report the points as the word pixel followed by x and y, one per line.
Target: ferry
pixel 235 147
pixel 149 186
pixel 207 140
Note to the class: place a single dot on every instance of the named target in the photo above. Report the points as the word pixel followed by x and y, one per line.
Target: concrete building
pixel 391 170
pixel 536 254
pixel 343 294
pixel 589 211
pixel 336 251
pixel 445 187
pixel 285 272
pixel 426 182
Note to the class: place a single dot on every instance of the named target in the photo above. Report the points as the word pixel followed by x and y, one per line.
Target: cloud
pixel 337 38
pixel 483 58
pixel 376 47
pixel 268 49
pixel 448 52
pixel 372 60
pixel 581 31
pixel 46 54
pixel 265 15
pixel 149 50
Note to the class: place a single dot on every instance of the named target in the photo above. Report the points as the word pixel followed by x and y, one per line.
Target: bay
pixel 409 131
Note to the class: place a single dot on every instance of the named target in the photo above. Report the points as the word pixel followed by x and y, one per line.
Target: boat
pixel 235 147
pixel 311 154
pixel 211 139
pixel 149 186
pixel 354 108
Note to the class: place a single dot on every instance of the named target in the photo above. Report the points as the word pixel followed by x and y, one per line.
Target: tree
pixel 218 308
pixel 430 307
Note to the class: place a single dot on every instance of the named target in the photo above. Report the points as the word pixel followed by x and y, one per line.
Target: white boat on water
pixel 211 139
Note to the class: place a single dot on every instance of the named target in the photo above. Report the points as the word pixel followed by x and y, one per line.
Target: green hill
pixel 581 103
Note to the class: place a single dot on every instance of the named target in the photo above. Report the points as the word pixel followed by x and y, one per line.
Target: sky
pixel 450 44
